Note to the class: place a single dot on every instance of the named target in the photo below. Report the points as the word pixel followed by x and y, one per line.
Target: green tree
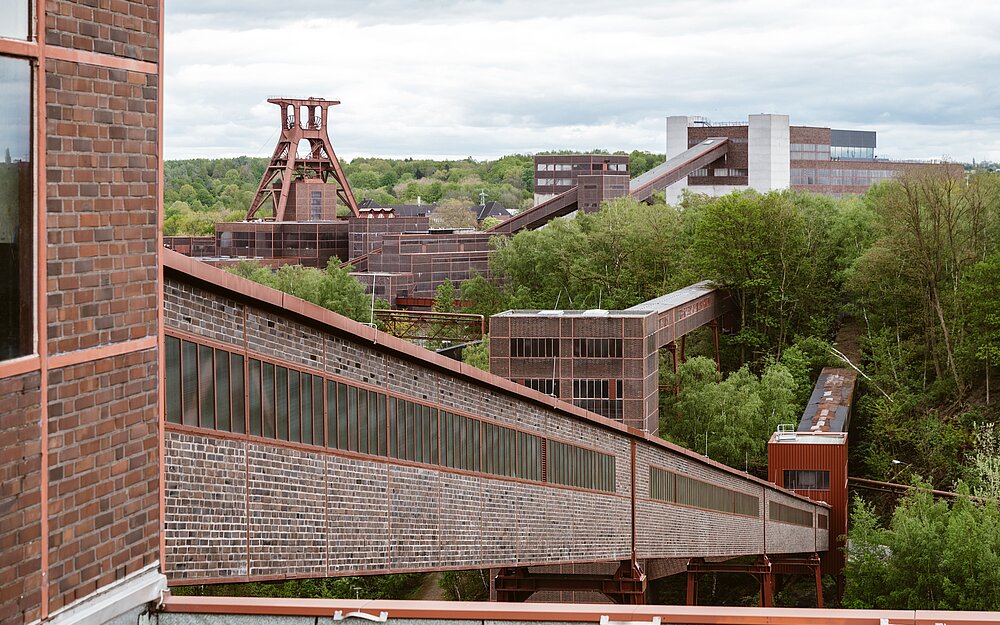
pixel 478 355
pixel 334 289
pixel 444 300
pixel 732 418
pixel 932 556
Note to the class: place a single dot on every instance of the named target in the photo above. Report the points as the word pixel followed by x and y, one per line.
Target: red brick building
pixel 79 189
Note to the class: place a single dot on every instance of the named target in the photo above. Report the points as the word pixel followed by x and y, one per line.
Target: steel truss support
pixel 301 120
pixel 627 586
pixel 766 570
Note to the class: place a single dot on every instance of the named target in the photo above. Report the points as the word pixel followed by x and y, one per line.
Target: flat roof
pixel 829 407
pixel 653 306
pixel 809 438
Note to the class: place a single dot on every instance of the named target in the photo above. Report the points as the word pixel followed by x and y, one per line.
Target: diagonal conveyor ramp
pixel 641 188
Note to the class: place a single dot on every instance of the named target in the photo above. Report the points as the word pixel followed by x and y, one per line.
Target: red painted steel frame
pixel 285 166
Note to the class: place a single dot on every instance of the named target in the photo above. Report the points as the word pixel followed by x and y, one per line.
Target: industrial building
pixel 766 153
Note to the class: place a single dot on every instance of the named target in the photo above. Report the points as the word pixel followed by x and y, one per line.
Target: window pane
pixel 267 398
pixel 331 413
pixel 342 432
pixel 362 421
pixel 294 420
pixel 317 411
pixel 13 22
pixel 305 397
pixel 352 418
pixel 382 422
pixel 206 379
pixel 373 431
pixel 173 390
pixel 255 408
pixel 281 399
pixel 16 256
pixel 239 409
pixel 189 371
pixel 222 391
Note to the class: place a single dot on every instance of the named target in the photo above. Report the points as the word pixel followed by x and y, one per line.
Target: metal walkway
pixel 641 187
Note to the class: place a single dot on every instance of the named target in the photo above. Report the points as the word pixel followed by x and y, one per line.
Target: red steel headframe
pixel 300 122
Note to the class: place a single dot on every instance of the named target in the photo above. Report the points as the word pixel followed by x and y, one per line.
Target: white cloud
pixel 482 79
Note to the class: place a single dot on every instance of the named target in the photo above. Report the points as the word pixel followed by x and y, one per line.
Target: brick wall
pixel 311 510
pixel 103 473
pixel 102 215
pixel 20 500
pixel 127 28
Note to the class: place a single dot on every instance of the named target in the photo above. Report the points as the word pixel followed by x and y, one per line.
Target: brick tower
pixel 302 179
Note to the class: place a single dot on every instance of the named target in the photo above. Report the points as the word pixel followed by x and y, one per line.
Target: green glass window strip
pixel 281 402
pixel 173 379
pixel 206 386
pixel 223 416
pixel 237 386
pixel 295 430
pixel 189 374
pixel 306 402
pixel 256 412
pixel 267 398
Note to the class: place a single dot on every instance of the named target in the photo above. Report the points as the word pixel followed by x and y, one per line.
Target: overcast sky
pixel 451 79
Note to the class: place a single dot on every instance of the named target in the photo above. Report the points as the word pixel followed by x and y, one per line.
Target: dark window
pixel 281 402
pixel 534 348
pixel 676 488
pixel 597 348
pixel 236 377
pixel 254 396
pixel 575 466
pixel 189 379
pixel 305 400
pixel 788 514
pixel 173 390
pixel 267 398
pixel 16 182
pixel 295 430
pixel 807 480
pixel 548 387
pixel 206 372
pixel 223 417
pixel 315 205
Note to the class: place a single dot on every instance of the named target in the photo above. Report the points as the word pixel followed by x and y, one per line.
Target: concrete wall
pixel 677 142
pixel 769 152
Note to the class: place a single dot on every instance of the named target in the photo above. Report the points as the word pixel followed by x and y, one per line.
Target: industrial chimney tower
pixel 303 178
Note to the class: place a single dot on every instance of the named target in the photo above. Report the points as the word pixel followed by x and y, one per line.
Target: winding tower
pixel 302 180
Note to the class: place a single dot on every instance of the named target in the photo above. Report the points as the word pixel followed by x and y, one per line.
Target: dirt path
pixel 430 590
pixel 848 340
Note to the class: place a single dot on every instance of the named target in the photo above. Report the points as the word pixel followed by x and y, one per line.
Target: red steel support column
pixel 692 588
pixel 819 586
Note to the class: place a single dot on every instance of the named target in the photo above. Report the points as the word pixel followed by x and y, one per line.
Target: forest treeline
pixel 200 192
pixel 911 271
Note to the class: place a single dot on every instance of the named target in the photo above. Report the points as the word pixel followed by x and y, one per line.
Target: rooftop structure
pixel 295 185
pixel 603 360
pixel 811 458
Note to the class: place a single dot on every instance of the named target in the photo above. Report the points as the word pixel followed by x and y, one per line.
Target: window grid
pixel 206 388
pixel 787 514
pixel 673 487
